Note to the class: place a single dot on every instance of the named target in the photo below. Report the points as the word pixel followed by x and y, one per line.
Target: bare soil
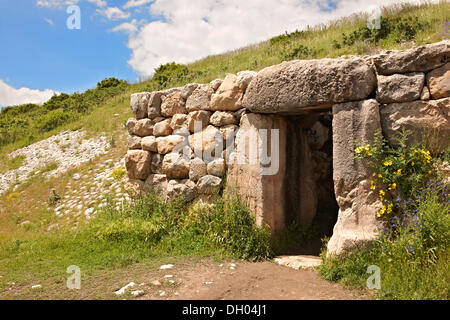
pixel 208 280
pixel 191 279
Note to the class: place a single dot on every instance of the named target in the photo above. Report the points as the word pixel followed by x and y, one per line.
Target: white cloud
pixel 114 13
pixel 204 27
pixel 10 96
pixel 98 3
pixel 55 3
pixel 128 27
pixel 49 21
pixel 135 3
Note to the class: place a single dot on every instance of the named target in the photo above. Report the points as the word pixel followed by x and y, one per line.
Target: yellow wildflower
pixel 388 163
pixel 389 209
pixel 382 211
pixel 399 171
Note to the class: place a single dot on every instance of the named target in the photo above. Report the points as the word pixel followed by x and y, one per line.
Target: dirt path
pixel 190 279
pixel 208 280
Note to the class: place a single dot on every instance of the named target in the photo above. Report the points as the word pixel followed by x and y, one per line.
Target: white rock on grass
pixel 124 289
pixel 137 293
pixel 166 266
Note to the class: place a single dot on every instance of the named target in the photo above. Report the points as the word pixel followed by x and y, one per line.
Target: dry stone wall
pixel 187 140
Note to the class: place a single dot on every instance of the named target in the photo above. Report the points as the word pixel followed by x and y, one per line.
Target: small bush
pixel 118 173
pixel 54 198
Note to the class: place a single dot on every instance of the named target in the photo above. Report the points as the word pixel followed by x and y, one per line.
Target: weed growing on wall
pixel 397 172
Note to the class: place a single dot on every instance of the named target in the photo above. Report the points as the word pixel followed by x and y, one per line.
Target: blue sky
pixel 128 39
pixel 36 54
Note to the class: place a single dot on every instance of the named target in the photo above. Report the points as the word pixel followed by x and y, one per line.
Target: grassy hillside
pixel 402 26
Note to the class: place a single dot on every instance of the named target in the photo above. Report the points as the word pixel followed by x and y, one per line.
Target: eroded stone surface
pixel 294 86
pixel 137 163
pixel 400 87
pixel 419 59
pixel 358 205
pixel 429 119
pixel 438 82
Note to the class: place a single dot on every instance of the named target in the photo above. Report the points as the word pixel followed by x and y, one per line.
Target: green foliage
pixel 110 82
pixel 171 74
pixel 25 122
pixel 414 244
pixel 16 162
pixel 397 28
pixel 299 52
pixel 118 173
pixel 54 198
pixel 412 256
pixel 397 172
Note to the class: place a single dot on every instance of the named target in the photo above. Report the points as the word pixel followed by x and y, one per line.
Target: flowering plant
pixel 397 172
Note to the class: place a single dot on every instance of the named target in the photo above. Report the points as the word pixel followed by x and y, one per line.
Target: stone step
pixel 299 262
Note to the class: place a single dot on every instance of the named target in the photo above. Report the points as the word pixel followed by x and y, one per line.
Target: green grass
pixel 412 251
pixel 146 229
pixel 11 164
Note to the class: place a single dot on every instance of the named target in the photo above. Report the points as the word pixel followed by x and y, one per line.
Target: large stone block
pixel 139 104
pixel 419 59
pixel 156 183
pixel 200 98
pixel 197 169
pixel 358 205
pixel 179 122
pixel 185 188
pixel 438 81
pixel 149 144
pixel 172 104
pixel 207 143
pixel 167 144
pixel 134 142
pixel 156 165
pixel 400 87
pixel 162 128
pixel 228 96
pixel 199 118
pixel 429 120
pixel 141 128
pixel 296 86
pixel 175 166
pixel 137 163
pixel 209 185
pixel 259 180
pixel 154 104
pixel 222 118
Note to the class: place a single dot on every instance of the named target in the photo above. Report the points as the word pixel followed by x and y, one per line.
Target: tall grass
pixel 147 228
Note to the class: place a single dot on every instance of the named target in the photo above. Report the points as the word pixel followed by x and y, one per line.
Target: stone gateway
pixel 283 138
